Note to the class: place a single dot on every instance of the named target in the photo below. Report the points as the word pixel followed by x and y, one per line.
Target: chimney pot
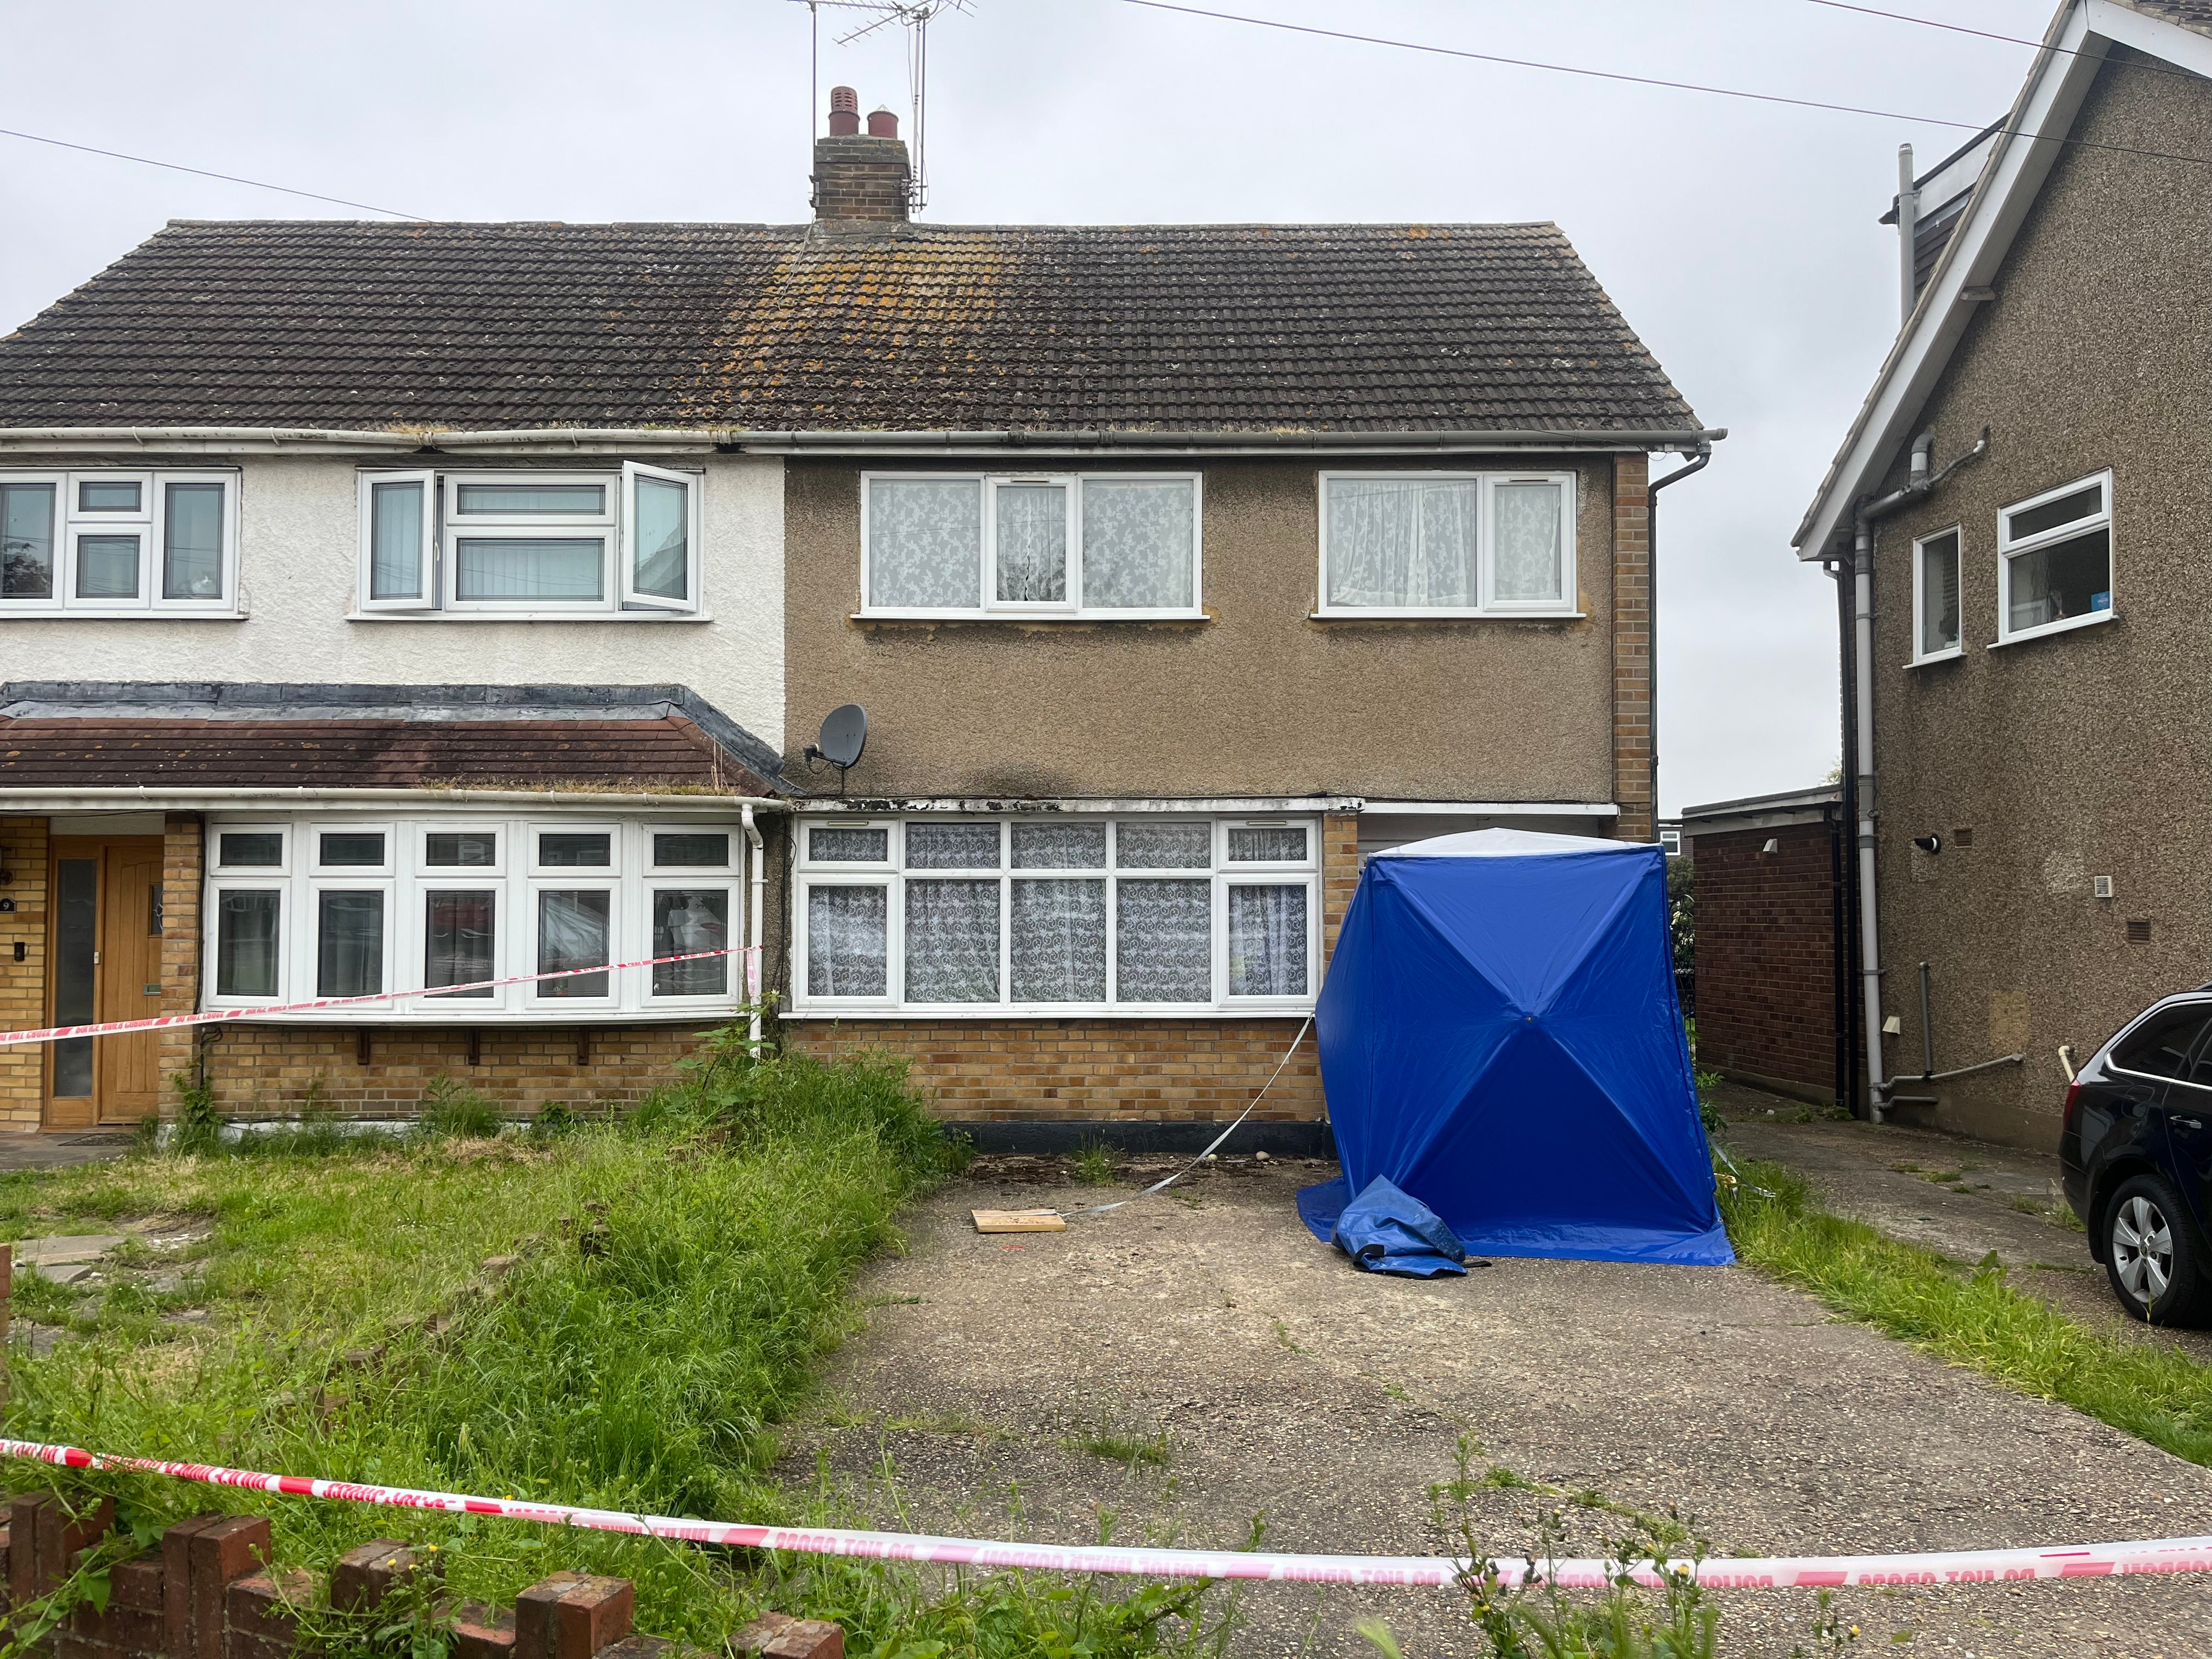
pixel 844 113
pixel 882 124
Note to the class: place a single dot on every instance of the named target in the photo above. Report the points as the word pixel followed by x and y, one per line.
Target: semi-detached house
pixel 389 607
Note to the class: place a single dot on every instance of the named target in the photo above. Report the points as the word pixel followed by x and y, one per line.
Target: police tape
pixel 215 1016
pixel 2159 1555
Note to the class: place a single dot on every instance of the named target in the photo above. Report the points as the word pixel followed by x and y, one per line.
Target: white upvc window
pixel 1935 636
pixel 1448 544
pixel 339 905
pixel 1055 915
pixel 1125 546
pixel 529 543
pixel 2055 560
pixel 119 544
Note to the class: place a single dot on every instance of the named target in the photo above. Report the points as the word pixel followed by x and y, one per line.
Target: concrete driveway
pixel 1287 1385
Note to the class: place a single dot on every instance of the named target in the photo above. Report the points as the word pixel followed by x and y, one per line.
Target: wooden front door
pixel 105 948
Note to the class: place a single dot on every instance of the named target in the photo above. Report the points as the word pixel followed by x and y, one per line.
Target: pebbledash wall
pixel 1096 1070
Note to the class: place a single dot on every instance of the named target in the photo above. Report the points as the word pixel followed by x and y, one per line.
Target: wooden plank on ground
pixel 1018 1221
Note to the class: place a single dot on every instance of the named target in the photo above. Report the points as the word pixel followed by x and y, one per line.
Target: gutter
pixel 1922 482
pixel 124 798
pixel 666 440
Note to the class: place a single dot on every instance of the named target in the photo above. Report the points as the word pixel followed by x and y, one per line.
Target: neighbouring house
pixel 1772 990
pixel 2017 518
pixel 394 606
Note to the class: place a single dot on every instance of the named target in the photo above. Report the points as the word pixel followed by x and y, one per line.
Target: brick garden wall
pixel 1089 1070
pixel 22 984
pixel 1766 957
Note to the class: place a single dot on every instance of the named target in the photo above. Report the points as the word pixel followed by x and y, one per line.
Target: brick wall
pixel 208 1589
pixel 1632 779
pixel 182 860
pixel 860 179
pixel 22 984
pixel 1093 1069
pixel 1766 956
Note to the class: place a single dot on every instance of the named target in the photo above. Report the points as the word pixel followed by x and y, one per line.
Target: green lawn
pixel 678 1276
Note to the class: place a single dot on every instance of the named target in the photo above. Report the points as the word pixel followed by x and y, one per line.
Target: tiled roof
pixel 644 755
pixel 492 326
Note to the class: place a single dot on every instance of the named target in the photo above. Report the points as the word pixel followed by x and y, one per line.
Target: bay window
pixel 111 544
pixel 1119 545
pixel 1123 913
pixel 2055 560
pixel 1447 544
pixel 312 907
pixel 527 542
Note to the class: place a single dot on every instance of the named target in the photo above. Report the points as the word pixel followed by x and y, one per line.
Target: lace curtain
pixel 690 918
pixel 952 846
pixel 953 941
pixel 349 944
pixel 1137 537
pixel 1164 846
pixel 1400 542
pixel 458 934
pixel 925 542
pixel 1525 518
pixel 848 936
pixel 1059 944
pixel 572 932
pixel 1060 846
pixel 828 846
pixel 1163 943
pixel 1031 543
pixel 1266 941
pixel 1268 845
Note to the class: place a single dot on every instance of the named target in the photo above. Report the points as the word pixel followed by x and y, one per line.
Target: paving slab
pixel 61 1151
pixel 1278 1382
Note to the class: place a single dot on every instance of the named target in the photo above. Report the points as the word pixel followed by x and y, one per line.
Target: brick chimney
pixel 857 178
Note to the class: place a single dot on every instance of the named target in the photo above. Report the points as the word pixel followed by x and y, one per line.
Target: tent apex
pixel 1514 843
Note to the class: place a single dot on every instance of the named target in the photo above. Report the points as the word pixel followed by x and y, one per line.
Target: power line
pixel 227 178
pixel 2006 129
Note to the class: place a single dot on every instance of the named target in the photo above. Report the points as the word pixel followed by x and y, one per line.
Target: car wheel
pixel 2152 1256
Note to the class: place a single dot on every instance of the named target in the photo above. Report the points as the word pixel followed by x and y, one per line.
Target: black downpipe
pixel 1850 1017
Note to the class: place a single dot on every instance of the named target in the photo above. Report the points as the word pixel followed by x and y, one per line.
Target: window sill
pixel 2028 636
pixel 136 613
pixel 1029 618
pixel 1053 1010
pixel 1956 654
pixel 1440 615
pixel 453 1015
pixel 662 616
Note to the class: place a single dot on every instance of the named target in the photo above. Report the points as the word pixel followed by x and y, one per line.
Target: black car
pixel 2136 1151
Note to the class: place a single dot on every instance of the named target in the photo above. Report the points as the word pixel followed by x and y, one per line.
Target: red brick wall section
pixel 1090 1070
pixel 22 984
pixel 1766 957
pixel 209 1590
pixel 181 863
pixel 1632 779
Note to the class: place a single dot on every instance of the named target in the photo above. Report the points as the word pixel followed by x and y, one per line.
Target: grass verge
pixel 668 1283
pixel 1973 1316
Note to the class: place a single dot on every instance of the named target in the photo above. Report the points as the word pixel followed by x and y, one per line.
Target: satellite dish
pixel 844 735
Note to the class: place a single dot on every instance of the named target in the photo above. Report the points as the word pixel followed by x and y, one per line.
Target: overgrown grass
pixel 676 1276
pixel 1973 1316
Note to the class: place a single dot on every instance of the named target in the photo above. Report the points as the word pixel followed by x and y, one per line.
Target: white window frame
pixel 1070 609
pixel 1957 648
pixel 426 576
pixel 627 552
pixel 2009 548
pixel 150 523
pixel 893 874
pixel 1567 605
pixel 514 879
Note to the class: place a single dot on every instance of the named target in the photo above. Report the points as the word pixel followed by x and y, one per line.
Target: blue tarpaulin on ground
pixel 1386 1232
pixel 1500 1038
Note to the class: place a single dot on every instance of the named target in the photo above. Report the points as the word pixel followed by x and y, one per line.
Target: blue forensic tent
pixel 1500 1037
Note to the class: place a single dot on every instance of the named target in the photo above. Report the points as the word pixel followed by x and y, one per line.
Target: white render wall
pixel 299 576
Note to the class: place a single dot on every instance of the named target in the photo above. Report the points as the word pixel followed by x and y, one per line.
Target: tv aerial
pixel 914 15
pixel 844 735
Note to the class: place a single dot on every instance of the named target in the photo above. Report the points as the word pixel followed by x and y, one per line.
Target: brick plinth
pixel 1766 954
pixel 22 984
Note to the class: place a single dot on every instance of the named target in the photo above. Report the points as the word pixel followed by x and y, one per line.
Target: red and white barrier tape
pixel 1730 1572
pixel 165 1022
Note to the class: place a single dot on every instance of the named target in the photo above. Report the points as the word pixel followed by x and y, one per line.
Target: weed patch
pixel 1971 1317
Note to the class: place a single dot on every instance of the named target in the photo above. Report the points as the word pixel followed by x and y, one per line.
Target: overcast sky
pixel 1739 237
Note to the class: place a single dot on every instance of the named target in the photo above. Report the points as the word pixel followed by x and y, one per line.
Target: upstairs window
pixel 1447 544
pixel 2055 557
pixel 527 543
pixel 1123 545
pixel 1936 597
pixel 117 544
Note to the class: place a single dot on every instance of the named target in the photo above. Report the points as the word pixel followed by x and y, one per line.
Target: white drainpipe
pixel 757 859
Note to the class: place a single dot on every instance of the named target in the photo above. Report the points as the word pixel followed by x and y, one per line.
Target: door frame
pixel 99 847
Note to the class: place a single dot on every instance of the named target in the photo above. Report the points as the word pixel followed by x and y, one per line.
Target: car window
pixel 2160 1046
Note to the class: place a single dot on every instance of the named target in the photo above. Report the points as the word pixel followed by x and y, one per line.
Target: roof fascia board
pixel 126 797
pixel 204 440
pixel 2126 27
pixel 1736 822
pixel 2044 113
pixel 873 806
